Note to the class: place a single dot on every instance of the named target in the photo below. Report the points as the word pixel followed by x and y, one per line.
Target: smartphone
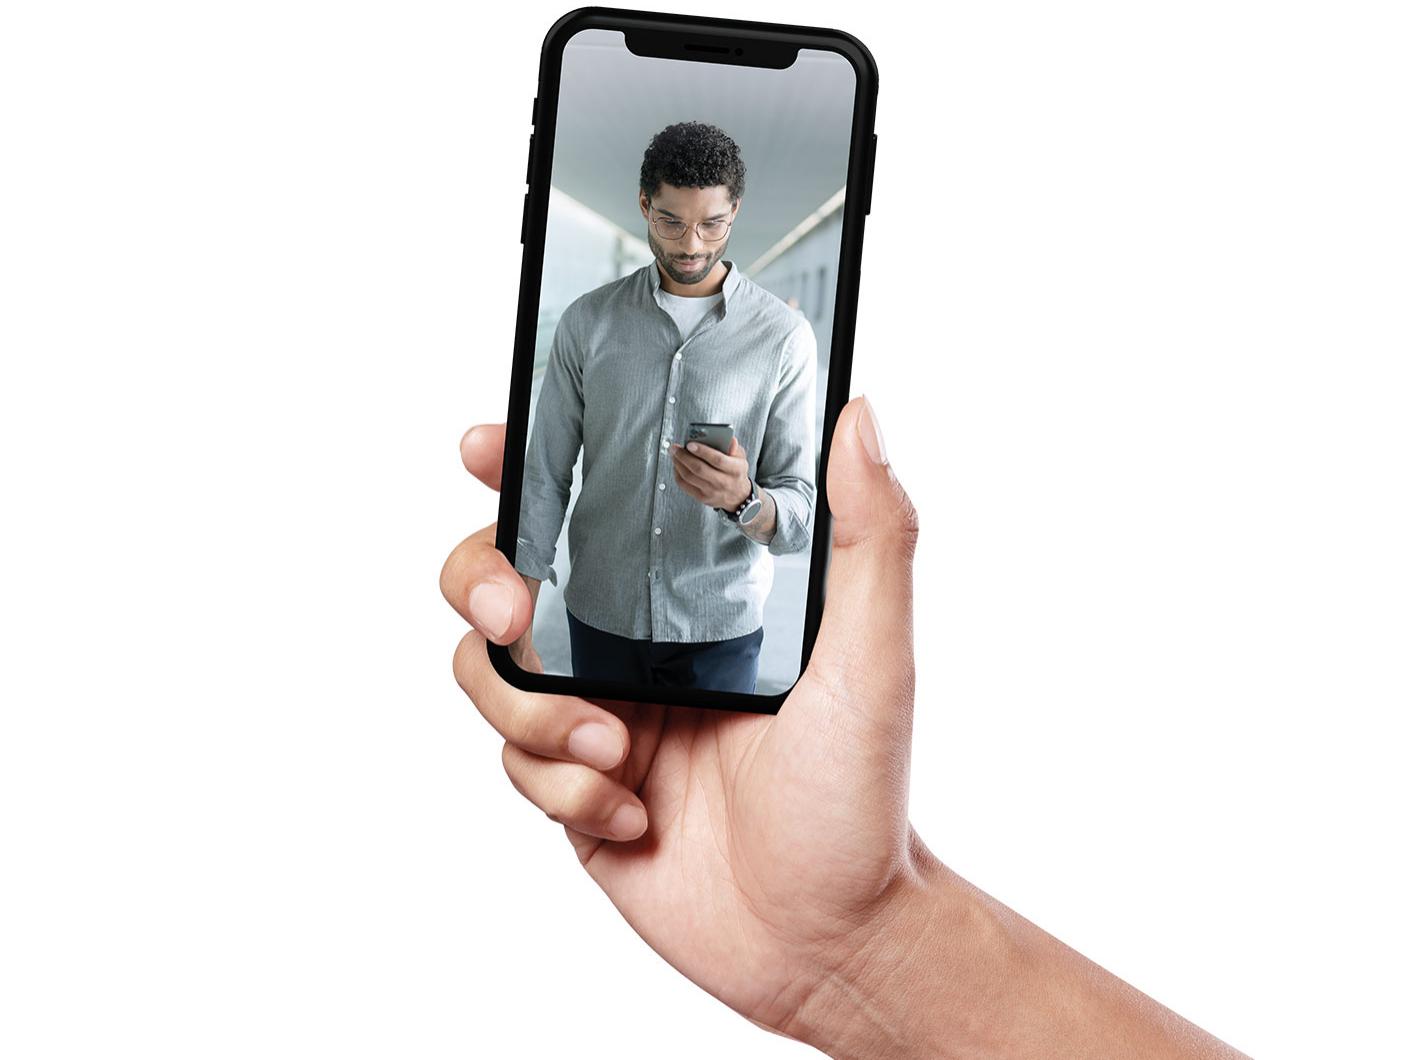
pixel 716 435
pixel 692 231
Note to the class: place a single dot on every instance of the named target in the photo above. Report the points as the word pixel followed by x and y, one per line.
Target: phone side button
pixel 530 160
pixel 524 216
pixel 872 160
pixel 535 111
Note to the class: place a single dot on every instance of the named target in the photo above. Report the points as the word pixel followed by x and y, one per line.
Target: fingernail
pixel 870 434
pixel 628 822
pixel 492 606
pixel 596 744
pixel 467 436
pixel 691 447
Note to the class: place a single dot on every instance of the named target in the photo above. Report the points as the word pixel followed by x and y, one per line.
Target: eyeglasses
pixel 709 231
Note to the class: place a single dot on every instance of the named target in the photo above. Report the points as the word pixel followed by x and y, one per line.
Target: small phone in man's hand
pixel 716 435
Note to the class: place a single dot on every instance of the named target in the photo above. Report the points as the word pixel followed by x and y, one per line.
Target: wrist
pixel 925 983
pixel 743 494
pixel 952 974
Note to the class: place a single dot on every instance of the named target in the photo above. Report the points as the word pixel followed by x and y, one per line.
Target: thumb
pixel 862 661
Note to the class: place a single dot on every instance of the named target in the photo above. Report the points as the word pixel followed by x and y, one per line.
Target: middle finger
pixel 699 475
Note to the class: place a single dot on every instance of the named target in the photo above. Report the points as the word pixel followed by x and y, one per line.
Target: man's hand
pixel 720 480
pixel 761 855
pixel 770 859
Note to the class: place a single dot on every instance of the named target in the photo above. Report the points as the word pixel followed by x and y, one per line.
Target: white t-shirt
pixel 688 312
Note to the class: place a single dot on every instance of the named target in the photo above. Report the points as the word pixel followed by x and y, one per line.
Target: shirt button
pixel 678 357
pixel 665 443
pixel 672 401
pixel 662 485
pixel 657 529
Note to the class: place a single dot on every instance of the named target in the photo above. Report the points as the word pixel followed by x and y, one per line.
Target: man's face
pixel 689 259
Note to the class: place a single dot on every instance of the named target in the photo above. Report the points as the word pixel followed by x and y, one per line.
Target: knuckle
pixel 574 799
pixel 906 514
pixel 448 578
pixel 520 722
pixel 516 762
pixel 512 760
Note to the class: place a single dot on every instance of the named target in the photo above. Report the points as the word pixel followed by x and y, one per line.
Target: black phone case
pixel 702 39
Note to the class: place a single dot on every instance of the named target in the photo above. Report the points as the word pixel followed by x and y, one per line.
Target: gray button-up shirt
pixel 646 559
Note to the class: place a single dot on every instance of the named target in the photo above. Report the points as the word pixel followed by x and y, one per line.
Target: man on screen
pixel 670 547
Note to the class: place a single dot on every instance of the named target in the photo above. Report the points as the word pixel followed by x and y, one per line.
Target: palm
pixel 755 861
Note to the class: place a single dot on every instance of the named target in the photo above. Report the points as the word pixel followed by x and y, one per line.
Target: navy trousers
pixel 720 665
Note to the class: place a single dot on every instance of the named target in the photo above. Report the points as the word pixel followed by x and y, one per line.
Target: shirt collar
pixel 729 285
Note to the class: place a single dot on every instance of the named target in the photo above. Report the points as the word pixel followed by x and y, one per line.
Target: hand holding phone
pixel 811 797
pixel 718 473
pixel 770 860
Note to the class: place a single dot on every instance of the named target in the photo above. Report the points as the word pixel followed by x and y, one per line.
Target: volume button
pixel 872 162
pixel 535 111
pixel 530 161
pixel 524 216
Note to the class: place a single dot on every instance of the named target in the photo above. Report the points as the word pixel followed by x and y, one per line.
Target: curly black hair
pixel 692 154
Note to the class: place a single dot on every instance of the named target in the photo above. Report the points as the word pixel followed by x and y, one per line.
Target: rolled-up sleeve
pixel 786 463
pixel 555 439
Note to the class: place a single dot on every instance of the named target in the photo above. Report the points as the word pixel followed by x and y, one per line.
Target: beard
pixel 674 268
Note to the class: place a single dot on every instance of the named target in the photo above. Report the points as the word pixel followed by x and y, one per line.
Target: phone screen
pixel 691 259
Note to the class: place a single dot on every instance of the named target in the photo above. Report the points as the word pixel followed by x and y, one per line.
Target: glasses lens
pixel 669 229
pixel 712 230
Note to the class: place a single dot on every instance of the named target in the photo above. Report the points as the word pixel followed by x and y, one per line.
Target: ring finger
pixel 686 476
pixel 575 795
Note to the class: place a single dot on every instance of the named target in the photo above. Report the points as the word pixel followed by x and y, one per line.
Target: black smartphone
pixel 692 239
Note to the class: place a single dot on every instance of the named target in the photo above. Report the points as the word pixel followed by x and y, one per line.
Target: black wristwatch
pixel 749 509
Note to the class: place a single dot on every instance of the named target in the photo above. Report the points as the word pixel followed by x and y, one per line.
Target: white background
pixel 1136 321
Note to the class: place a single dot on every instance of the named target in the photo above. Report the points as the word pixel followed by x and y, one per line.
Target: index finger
pixel 707 455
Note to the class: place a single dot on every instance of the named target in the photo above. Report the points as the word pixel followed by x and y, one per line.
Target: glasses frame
pixel 693 226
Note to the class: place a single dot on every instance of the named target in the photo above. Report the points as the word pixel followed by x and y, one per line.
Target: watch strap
pixel 735 516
